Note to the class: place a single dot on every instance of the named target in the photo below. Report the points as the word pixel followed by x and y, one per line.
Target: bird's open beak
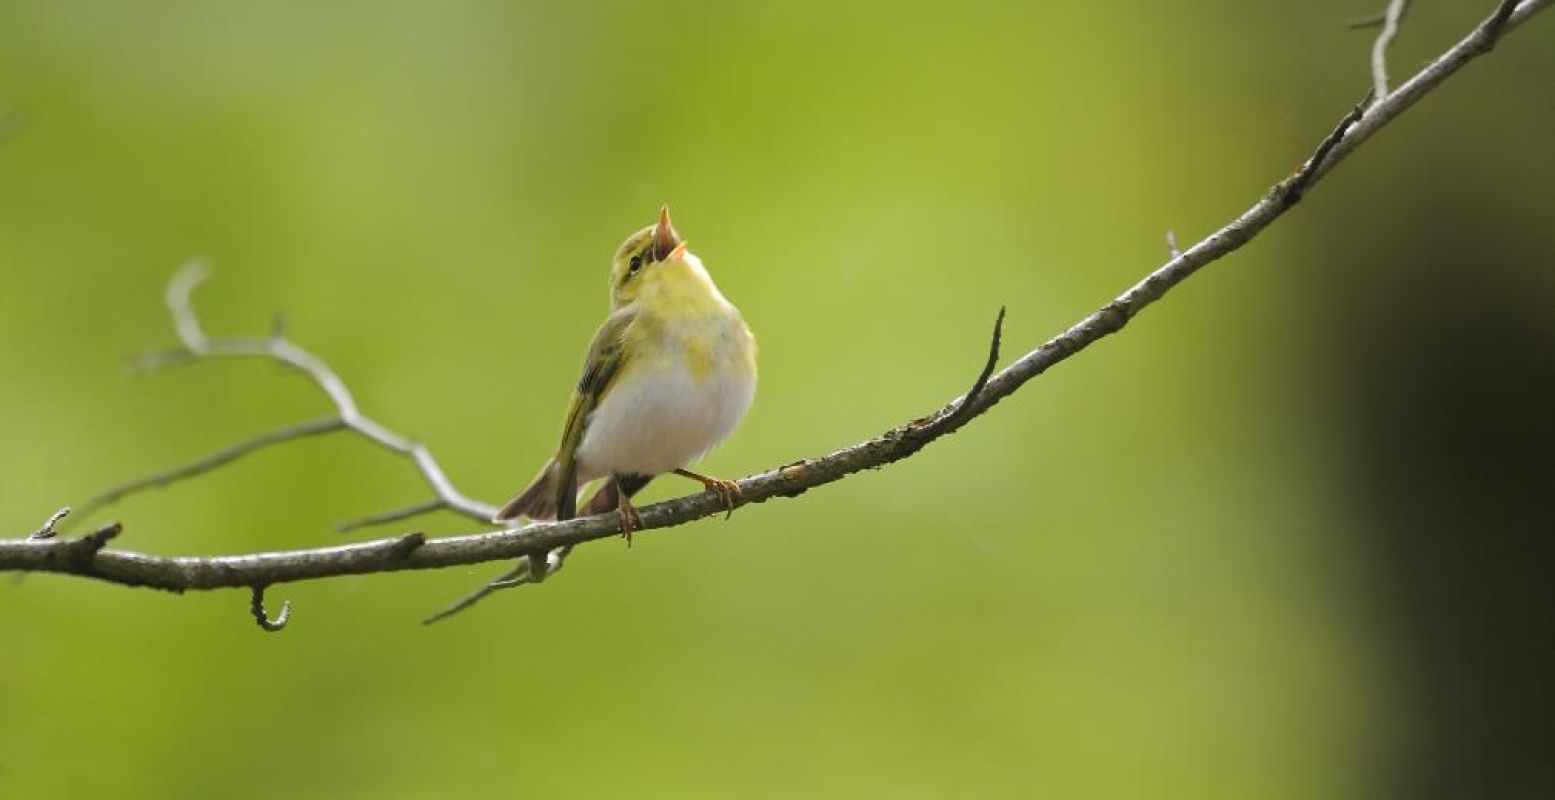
pixel 666 242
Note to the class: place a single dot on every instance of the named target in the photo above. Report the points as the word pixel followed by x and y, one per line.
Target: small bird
pixel 668 376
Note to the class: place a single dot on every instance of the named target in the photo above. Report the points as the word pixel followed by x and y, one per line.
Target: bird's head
pixel 649 260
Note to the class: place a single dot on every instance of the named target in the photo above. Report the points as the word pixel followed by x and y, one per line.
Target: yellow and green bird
pixel 668 376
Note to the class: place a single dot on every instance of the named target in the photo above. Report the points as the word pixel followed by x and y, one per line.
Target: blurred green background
pixel 1288 536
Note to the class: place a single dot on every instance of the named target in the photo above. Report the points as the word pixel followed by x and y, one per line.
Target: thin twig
pixel 1379 48
pixel 553 540
pixel 517 576
pixel 964 407
pixel 81 553
pixel 196 345
pixel 210 462
pixel 393 515
pixel 530 569
pixel 93 543
pixel 256 607
pixel 47 531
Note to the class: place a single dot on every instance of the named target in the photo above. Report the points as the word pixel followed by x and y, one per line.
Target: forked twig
pixel 195 344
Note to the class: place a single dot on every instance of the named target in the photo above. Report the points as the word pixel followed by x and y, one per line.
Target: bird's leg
pixel 629 516
pixel 728 491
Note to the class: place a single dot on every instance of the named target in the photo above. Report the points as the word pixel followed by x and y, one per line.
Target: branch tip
pixel 256 607
pixel 84 550
pixel 181 306
pixel 988 367
pixel 47 531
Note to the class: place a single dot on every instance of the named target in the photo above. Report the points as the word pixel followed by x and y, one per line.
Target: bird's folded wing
pixel 606 355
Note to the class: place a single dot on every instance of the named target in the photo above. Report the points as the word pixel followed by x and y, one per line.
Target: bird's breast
pixel 684 389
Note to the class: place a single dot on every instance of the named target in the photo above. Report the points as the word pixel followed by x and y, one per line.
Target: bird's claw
pixel 728 491
pixel 630 521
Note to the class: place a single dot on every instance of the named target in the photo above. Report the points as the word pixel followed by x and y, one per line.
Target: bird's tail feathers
pixel 536 502
pixel 539 501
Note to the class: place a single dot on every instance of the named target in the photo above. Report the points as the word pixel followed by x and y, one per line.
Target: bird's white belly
pixel 663 418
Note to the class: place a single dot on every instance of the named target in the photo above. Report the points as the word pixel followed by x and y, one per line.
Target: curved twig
pixel 256 607
pixel 196 344
pixel 981 383
pixel 551 541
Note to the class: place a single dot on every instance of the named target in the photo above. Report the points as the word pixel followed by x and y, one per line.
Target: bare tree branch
pixel 543 546
pixel 196 345
pixel 1509 14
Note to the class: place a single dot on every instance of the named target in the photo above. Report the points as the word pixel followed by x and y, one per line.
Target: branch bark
pixel 548 542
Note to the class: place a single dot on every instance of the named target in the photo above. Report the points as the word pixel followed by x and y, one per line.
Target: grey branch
pixel 196 345
pixel 549 542
pixel 1379 48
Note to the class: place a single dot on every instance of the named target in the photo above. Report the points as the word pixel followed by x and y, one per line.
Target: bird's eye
pixel 637 264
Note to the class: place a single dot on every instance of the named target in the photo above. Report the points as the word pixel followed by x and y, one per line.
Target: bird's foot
pixel 630 519
pixel 728 491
